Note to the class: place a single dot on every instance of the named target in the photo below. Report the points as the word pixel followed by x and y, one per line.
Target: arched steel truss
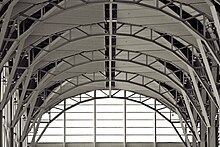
pixel 195 63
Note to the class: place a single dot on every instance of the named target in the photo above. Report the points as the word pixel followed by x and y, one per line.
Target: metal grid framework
pixel 94 117
pixel 54 50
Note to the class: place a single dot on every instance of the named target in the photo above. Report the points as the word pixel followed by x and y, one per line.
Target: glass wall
pixel 110 120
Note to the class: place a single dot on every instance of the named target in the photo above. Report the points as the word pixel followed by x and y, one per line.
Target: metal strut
pixel 110 47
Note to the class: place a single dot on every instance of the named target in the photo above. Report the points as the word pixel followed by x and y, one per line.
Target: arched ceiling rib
pixel 66 39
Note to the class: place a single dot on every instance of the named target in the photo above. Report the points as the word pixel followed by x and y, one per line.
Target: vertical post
pixel 125 117
pixel 64 124
pixel 110 47
pixel 213 113
pixel 203 128
pixel 155 124
pixel 11 128
pixel 94 118
pixel 1 130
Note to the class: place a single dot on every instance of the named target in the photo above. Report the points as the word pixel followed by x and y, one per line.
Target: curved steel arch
pixel 147 39
pixel 123 60
pixel 193 101
pixel 33 67
pixel 115 98
pixel 138 3
pixel 102 80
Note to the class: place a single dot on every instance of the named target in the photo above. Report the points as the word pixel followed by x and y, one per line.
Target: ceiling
pixel 58 50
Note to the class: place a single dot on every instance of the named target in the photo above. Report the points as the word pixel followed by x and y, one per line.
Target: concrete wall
pixel 160 144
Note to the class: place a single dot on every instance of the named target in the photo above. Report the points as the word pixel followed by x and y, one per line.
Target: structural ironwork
pixel 55 50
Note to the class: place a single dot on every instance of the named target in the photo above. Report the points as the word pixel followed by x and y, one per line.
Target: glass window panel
pixel 101 94
pixel 42 124
pixel 109 130
pixel 82 108
pixel 166 131
pixel 150 102
pixel 133 123
pixel 140 130
pixel 109 115
pixel 163 123
pixel 128 93
pixel 110 138
pixel 173 138
pixel 79 139
pixel 54 110
pixel 140 115
pixel 51 139
pixel 70 102
pixel 110 123
pixel 79 123
pixel 79 115
pixel 167 115
pixel 56 123
pixel 142 138
pixel 51 131
pixel 138 108
pixel 45 116
pixel 52 115
pixel 178 125
pixel 164 110
pixel 109 108
pixel 79 131
pixel 174 116
pixel 109 101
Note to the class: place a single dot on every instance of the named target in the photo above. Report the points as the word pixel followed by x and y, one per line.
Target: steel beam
pixel 29 117
pixel 110 47
pixel 191 115
pixel 11 76
pixel 6 21
pixel 21 99
pixel 208 70
pixel 214 15
pixel 184 129
pixel 198 94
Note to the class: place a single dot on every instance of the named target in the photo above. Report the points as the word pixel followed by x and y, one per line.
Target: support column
pixel 110 47
pixel 125 121
pixel 64 124
pixel 203 128
pixel 94 118
pixel 1 130
pixel 155 124
pixel 212 138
